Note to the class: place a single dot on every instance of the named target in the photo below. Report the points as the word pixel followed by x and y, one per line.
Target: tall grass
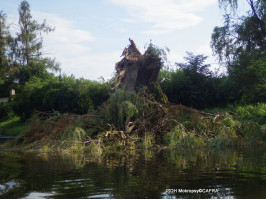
pixel 180 137
pixel 13 127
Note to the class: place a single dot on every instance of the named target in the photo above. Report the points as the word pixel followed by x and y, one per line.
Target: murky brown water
pixel 212 173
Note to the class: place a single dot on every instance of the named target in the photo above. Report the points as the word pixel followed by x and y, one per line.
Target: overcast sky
pixel 90 35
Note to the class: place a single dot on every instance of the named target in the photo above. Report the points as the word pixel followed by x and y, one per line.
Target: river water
pixel 201 173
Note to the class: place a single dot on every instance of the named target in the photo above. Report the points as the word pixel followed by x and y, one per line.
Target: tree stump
pixel 135 70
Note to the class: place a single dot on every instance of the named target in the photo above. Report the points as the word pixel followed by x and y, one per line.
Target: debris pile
pixel 133 118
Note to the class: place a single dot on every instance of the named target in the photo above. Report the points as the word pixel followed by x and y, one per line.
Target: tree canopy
pixel 239 44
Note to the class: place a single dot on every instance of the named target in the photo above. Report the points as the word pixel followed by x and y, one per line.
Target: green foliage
pixel 29 40
pixel 228 121
pixel 73 133
pixel 25 73
pixel 148 141
pixel 254 82
pixel 78 122
pixel 255 113
pixel 240 43
pixel 252 132
pixel 195 65
pixel 45 148
pixel 244 34
pixel 94 148
pixel 180 137
pixel 123 106
pixel 128 108
pixel 21 55
pixel 6 111
pixel 189 141
pixel 221 140
pixel 158 94
pixel 218 109
pixel 157 52
pixel 194 85
pixel 94 126
pixel 222 130
pixel 171 138
pixel 13 127
pixel 64 94
pixel 4 39
pixel 245 122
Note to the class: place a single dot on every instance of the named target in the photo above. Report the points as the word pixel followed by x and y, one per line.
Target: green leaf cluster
pixel 64 94
pixel 240 46
pixel 193 84
pixel 123 106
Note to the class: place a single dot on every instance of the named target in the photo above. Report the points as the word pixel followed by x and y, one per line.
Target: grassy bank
pixel 13 127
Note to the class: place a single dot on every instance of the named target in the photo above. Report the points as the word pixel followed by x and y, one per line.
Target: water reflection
pixel 5 187
pixel 145 174
pixel 38 195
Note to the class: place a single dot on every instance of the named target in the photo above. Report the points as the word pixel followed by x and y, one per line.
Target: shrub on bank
pixel 64 94
pixel 255 113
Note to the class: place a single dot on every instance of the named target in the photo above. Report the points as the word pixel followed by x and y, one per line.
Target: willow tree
pixel 240 45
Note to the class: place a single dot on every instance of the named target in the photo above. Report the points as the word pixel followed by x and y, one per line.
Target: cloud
pixel 92 66
pixel 66 39
pixel 165 15
pixel 71 47
pixel 127 20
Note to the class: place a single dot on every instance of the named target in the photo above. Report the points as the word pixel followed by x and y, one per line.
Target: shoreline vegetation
pixel 152 126
pixel 147 104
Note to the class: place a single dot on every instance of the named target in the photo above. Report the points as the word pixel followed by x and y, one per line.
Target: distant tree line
pixel 240 46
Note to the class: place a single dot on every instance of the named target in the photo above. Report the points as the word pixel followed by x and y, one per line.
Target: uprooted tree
pixel 135 70
pixel 132 118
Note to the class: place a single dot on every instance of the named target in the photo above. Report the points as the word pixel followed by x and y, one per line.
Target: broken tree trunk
pixel 135 70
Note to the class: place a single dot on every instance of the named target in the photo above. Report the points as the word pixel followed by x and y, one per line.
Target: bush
pixel 228 121
pixel 255 113
pixel 65 94
pixel 252 132
pixel 6 111
pixel 193 85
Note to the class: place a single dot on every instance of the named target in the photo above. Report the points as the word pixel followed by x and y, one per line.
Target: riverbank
pixel 167 126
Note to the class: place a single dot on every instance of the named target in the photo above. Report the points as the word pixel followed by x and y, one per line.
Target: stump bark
pixel 135 70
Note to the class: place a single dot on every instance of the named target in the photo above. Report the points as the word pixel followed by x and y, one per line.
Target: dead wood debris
pixel 136 70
